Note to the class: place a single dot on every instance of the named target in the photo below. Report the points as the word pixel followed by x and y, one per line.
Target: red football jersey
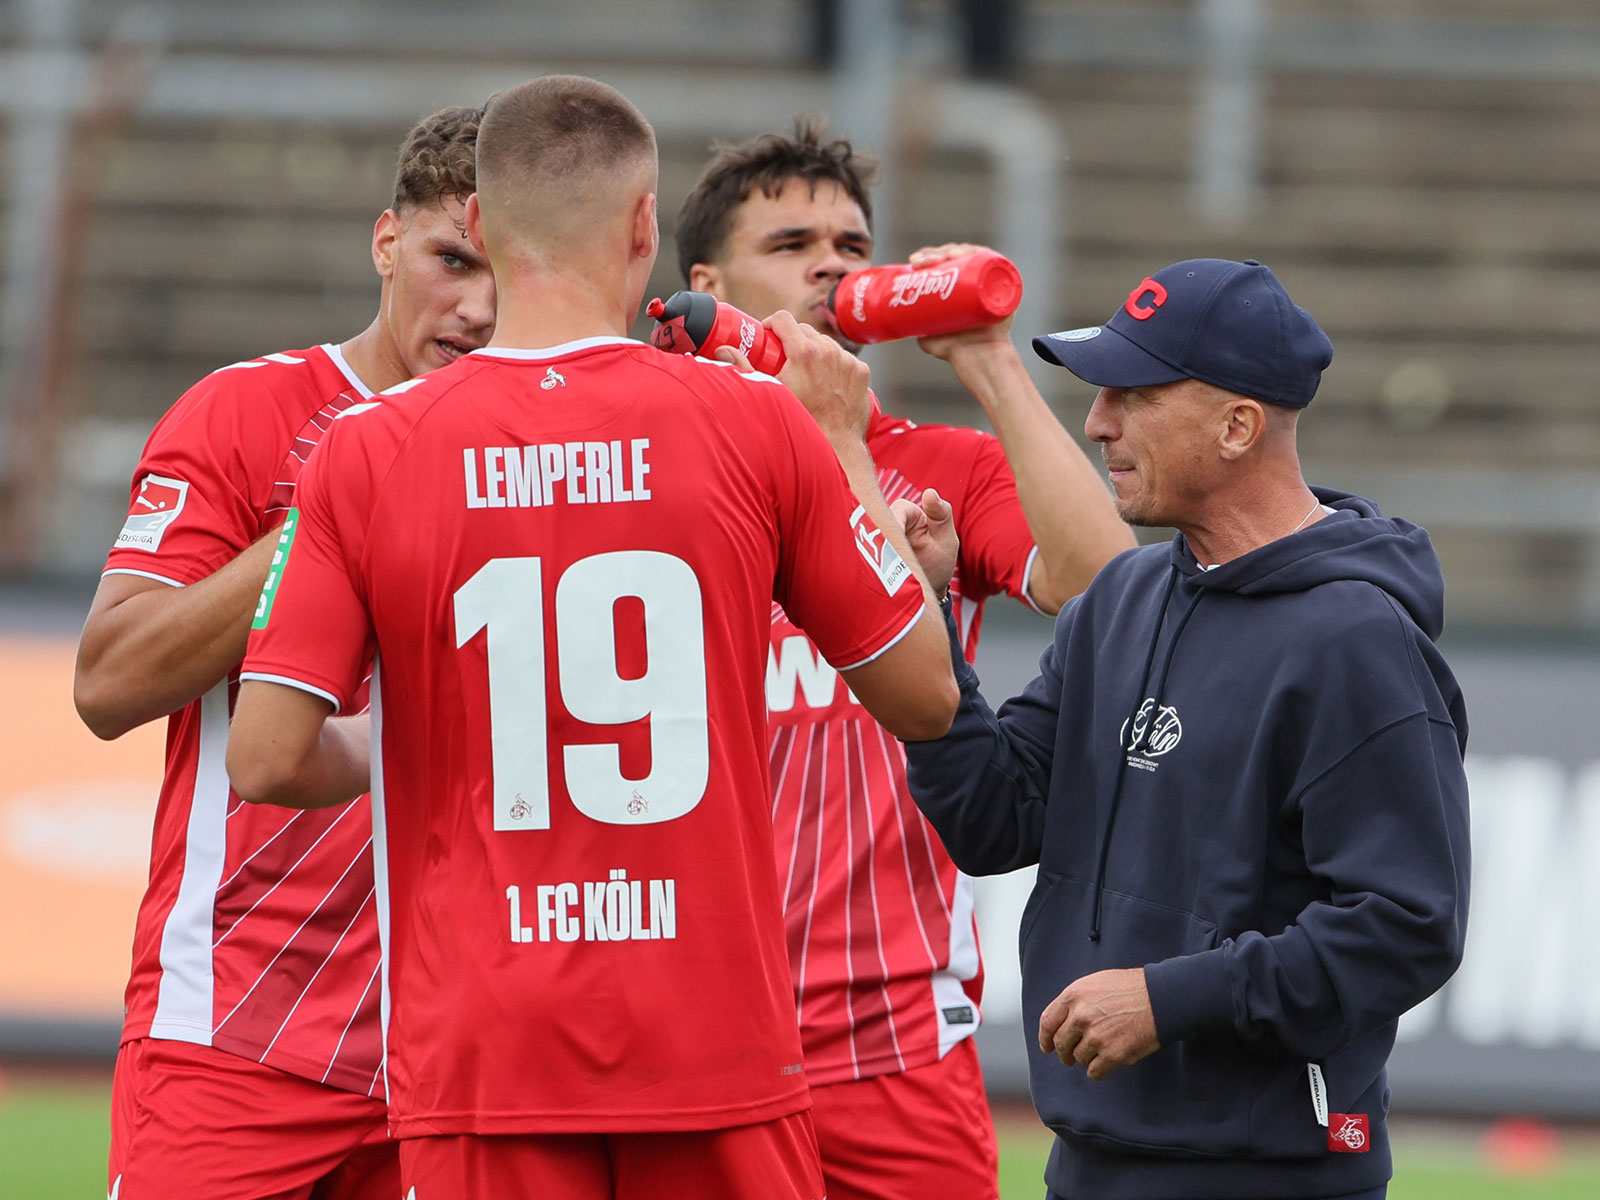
pixel 882 942
pixel 565 560
pixel 258 933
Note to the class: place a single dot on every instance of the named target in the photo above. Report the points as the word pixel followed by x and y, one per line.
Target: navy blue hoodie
pixel 1247 781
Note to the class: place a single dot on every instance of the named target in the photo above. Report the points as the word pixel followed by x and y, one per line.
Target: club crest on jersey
pixel 157 506
pixel 280 560
pixel 552 379
pixel 882 557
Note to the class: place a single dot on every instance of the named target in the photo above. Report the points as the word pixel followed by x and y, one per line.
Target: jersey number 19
pixel 505 601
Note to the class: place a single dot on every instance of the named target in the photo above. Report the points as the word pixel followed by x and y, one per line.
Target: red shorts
pixel 776 1160
pixel 922 1133
pixel 191 1120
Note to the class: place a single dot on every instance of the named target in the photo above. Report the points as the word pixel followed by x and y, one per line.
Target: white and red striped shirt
pixel 883 948
pixel 257 933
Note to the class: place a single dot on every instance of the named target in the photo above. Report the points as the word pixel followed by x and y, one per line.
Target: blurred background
pixel 190 183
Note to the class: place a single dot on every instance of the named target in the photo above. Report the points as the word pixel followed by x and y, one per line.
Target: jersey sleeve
pixel 312 629
pixel 839 579
pixel 201 483
pixel 997 547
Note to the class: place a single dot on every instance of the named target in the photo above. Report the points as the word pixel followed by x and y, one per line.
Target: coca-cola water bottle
pixel 879 304
pixel 698 323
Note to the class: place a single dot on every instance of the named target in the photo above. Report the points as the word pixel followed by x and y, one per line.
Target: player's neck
pixel 372 355
pixel 551 309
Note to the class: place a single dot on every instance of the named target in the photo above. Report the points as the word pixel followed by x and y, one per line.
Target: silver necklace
pixel 1316 504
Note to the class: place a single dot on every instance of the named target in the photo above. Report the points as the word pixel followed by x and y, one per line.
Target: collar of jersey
pixel 553 351
pixel 332 350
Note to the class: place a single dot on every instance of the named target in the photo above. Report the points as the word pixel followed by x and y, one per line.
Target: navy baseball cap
pixel 1227 323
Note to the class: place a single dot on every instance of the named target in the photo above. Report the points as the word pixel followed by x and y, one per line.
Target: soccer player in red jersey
pixel 251 1053
pixel 882 944
pixel 563 550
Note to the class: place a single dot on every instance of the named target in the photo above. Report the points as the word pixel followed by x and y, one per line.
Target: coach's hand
pixel 931 529
pixel 1102 1021
pixel 829 380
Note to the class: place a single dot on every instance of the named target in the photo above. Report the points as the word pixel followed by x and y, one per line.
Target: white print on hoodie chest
pixel 1155 731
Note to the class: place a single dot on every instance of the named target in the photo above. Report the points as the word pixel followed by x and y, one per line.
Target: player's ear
pixel 385 233
pixel 646 230
pixel 706 277
pixel 474 220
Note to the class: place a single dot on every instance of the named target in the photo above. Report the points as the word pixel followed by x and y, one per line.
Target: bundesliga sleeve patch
pixel 157 506
pixel 280 560
pixel 882 557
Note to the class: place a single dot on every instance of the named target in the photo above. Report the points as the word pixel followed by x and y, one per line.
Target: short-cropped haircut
pixel 438 158
pixel 767 162
pixel 560 127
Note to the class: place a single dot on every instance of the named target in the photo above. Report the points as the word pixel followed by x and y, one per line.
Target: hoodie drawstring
pixel 1140 739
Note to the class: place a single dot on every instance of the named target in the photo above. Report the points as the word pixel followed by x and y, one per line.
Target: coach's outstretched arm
pixel 983 784
pixel 286 747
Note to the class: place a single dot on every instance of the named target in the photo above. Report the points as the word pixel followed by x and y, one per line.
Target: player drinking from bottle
pixel 882 944
pixel 564 549
pixel 251 1052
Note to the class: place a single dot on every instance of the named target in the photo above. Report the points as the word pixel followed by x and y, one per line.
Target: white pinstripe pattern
pixel 332 825
pixel 354 1013
pixel 260 848
pixel 849 892
pixel 794 853
pixel 905 855
pixel 267 970
pixel 327 958
pixel 872 889
pixel 921 973
pixel 783 774
pixel 816 876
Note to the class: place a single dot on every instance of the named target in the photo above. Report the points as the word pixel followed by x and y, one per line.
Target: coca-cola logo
pixel 910 288
pixel 858 302
pixel 747 336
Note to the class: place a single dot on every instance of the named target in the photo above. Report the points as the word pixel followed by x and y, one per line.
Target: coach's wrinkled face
pixel 1161 446
pixel 787 251
pixel 438 294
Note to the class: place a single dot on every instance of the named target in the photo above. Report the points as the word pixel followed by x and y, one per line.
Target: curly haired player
pixel 251 1059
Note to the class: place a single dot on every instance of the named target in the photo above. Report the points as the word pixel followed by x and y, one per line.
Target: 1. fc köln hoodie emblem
pixel 1347 1133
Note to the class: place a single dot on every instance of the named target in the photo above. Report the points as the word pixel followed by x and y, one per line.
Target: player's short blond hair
pixel 561 128
pixel 438 158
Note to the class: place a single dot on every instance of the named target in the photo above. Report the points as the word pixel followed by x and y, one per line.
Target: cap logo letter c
pixel 1147 287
